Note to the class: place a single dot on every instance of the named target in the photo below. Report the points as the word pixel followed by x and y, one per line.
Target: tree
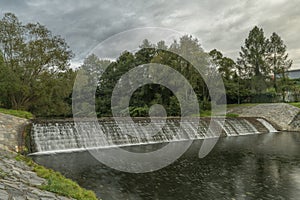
pixel 226 66
pixel 54 94
pixel 32 58
pixel 109 79
pixel 146 96
pixel 229 72
pixel 252 60
pixel 277 59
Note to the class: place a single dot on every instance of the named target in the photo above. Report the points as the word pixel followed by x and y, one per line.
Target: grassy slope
pixel 57 183
pixel 17 113
pixel 296 104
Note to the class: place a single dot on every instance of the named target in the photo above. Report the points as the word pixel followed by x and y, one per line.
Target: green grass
pixel 232 115
pixel 296 104
pixel 57 183
pixel 205 113
pixel 17 113
pixel 2 174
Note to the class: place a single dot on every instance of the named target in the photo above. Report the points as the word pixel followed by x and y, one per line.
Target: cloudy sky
pixel 216 23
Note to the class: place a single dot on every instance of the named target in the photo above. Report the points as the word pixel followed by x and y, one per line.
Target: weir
pixel 63 136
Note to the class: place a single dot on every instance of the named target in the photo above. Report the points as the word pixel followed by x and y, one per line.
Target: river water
pixel 265 166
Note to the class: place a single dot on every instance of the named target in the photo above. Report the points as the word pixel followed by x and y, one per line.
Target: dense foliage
pixel 35 75
pixel 146 96
pixel 263 64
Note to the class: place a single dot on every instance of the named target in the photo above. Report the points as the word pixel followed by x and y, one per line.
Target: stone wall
pixel 281 115
pixel 19 182
pixel 11 129
pixel 295 124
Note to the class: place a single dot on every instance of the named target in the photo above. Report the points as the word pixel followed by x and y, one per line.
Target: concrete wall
pixel 11 129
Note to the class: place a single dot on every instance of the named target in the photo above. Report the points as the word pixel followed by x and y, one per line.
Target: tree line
pixel 35 73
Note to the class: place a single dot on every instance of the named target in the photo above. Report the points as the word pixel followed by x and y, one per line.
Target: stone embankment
pixel 283 116
pixel 11 129
pixel 19 182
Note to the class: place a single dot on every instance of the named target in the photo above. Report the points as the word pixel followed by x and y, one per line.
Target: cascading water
pixel 267 125
pixel 63 136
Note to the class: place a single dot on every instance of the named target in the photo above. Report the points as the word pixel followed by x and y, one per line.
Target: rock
pixel 36 181
pixel 31 198
pixel 63 198
pixel 19 183
pixel 42 193
pixel 18 198
pixel 3 195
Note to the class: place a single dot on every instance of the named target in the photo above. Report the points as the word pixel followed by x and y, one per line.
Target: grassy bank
pixel 17 113
pixel 57 183
pixel 296 104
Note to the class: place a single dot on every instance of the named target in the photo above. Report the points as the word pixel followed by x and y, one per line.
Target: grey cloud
pixel 218 24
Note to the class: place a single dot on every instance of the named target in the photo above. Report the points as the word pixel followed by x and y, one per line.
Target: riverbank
pixel 283 116
pixel 20 178
pixel 18 181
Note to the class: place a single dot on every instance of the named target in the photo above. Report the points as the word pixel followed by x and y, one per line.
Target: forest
pixel 36 76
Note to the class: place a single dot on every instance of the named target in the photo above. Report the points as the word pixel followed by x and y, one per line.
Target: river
pixel 263 166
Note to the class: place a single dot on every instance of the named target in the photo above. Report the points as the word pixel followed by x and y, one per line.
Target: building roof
pixel 294 74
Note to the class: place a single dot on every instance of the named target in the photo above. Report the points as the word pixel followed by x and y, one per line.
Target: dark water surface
pixel 247 167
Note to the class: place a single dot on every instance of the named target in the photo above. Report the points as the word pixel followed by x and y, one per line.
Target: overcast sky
pixel 221 24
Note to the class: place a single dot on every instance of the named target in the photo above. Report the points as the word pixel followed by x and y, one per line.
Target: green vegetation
pixel 17 113
pixel 35 75
pixel 296 104
pixel 34 68
pixel 147 95
pixel 205 113
pixel 57 183
pixel 2 174
pixel 232 115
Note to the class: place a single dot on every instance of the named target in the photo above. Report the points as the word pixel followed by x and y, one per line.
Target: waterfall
pixel 65 136
pixel 267 125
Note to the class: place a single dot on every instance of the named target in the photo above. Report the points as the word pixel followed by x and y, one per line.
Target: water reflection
pixel 246 167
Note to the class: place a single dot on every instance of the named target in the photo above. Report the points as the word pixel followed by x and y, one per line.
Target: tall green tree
pixel 277 59
pixel 32 58
pixel 226 66
pixel 252 60
pixel 229 71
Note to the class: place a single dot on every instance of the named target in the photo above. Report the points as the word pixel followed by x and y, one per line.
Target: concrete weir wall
pixel 283 116
pixel 11 129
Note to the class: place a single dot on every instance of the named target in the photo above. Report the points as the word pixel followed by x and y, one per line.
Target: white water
pixel 64 137
pixel 267 125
